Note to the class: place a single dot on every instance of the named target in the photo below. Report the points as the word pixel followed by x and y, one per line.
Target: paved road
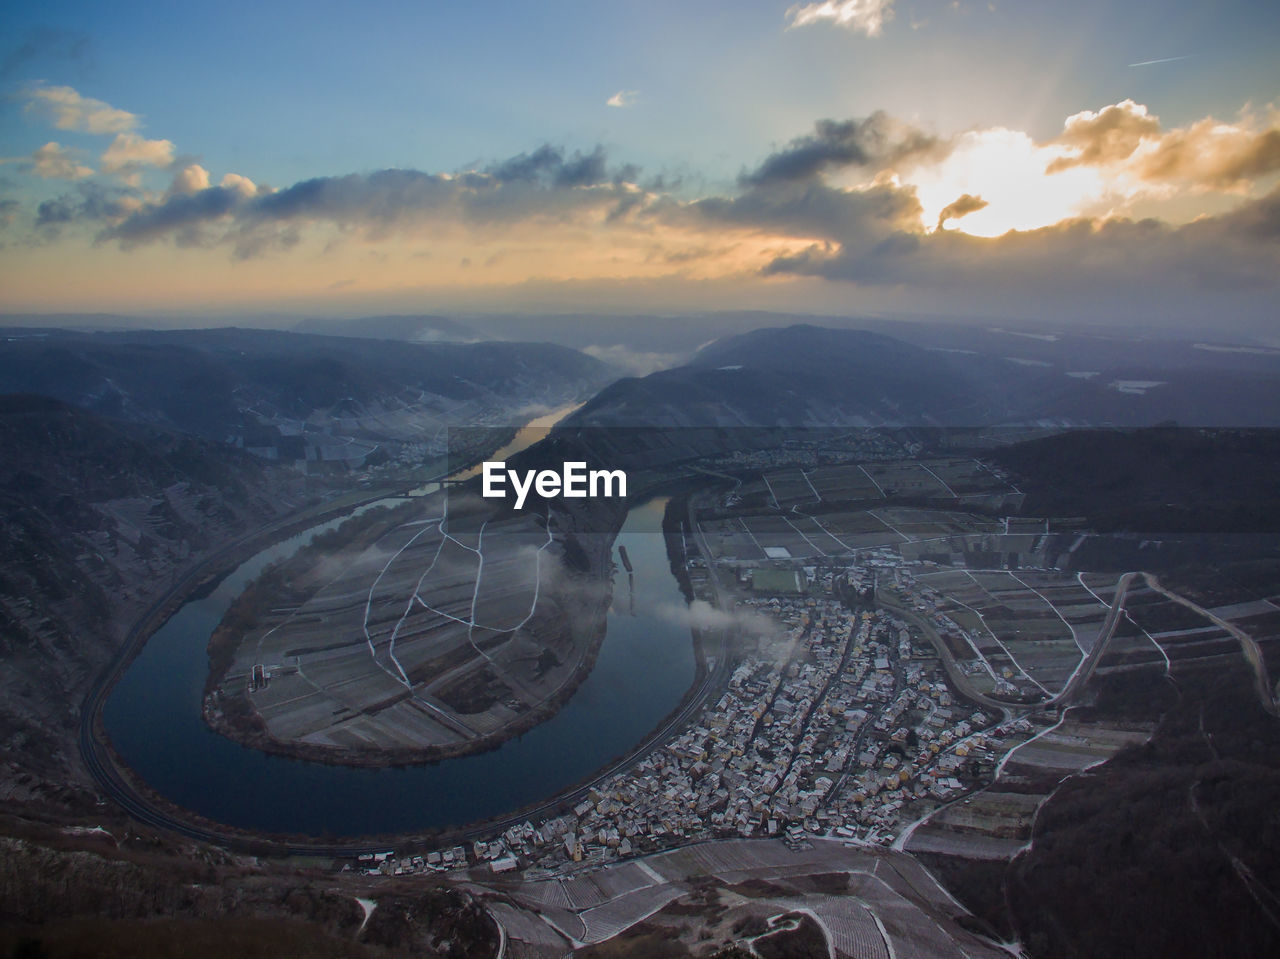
pixel 1248 645
pixel 953 671
pixel 1081 676
pixel 1085 670
pixel 899 680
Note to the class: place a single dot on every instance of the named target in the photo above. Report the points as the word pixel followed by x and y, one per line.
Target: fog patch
pixel 332 565
pixel 702 615
pixel 634 362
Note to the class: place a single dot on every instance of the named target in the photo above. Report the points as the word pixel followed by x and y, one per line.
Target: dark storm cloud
pixel 877 141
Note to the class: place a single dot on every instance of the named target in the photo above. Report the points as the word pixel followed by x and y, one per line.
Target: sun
pixel 1006 170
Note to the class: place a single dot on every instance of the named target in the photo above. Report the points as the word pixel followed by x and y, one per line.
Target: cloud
pixel 1208 153
pixel 1258 219
pixel 855 218
pixel 547 183
pixel 623 98
pixel 876 141
pixel 635 362
pixel 702 615
pixel 190 179
pixel 860 16
pixel 383 197
pixel 965 203
pixel 874 234
pixel 549 165
pixel 51 162
pixel 68 110
pixel 1212 154
pixel 129 152
pixel 1110 135
pixel 89 202
pixel 858 202
pixel 1082 259
pixel 178 214
pixel 240 184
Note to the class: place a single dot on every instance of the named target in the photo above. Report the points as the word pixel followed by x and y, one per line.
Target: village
pixel 839 723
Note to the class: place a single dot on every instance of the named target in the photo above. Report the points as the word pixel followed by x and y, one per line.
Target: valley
pixel 899 639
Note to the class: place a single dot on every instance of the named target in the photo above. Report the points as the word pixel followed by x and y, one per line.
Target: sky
pixel 1094 161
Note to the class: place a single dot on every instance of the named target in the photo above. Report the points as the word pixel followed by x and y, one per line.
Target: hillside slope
pixel 815 376
pixel 97 519
pixel 295 396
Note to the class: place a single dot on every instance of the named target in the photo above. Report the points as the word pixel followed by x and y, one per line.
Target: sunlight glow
pixel 1006 169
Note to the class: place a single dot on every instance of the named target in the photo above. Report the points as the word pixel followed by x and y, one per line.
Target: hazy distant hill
pixel 803 376
pixel 97 518
pixel 815 376
pixel 412 328
pixel 292 395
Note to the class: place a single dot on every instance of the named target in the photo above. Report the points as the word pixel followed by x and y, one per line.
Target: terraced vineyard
pixel 446 632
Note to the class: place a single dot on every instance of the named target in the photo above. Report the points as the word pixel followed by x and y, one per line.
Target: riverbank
pixel 569 615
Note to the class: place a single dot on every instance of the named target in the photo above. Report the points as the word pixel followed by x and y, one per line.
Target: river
pixel 153 719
